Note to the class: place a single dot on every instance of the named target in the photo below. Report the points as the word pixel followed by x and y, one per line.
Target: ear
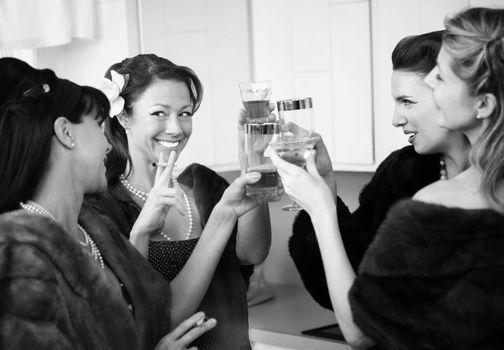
pixel 485 105
pixel 123 119
pixel 63 130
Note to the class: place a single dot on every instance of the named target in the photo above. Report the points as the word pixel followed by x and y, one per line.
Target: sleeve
pixel 33 310
pixel 357 230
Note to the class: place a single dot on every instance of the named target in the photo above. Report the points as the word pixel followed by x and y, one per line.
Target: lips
pixel 412 135
pixel 168 144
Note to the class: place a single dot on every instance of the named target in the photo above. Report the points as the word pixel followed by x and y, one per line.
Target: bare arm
pixel 254 236
pixel 309 189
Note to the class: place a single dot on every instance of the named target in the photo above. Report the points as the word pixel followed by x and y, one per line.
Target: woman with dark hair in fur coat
pixel 434 153
pixel 432 277
pixel 68 278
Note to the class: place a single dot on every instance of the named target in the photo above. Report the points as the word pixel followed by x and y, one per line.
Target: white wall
pixel 85 62
pixel 278 267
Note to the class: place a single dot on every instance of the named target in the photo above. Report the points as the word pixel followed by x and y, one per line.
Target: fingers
pixel 283 166
pixel 168 196
pixel 160 168
pixel 247 178
pixel 311 165
pixel 186 325
pixel 198 330
pixel 164 179
pixel 296 129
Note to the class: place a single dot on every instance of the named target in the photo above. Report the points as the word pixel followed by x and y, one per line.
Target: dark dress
pixel 433 278
pixel 53 295
pixel 226 298
pixel 399 176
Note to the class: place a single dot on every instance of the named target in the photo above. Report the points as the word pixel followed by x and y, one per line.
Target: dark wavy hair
pixel 475 42
pixel 28 108
pixel 417 53
pixel 141 71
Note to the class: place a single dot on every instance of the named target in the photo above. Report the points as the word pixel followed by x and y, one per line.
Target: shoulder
pixel 26 265
pixel 421 236
pixel 462 191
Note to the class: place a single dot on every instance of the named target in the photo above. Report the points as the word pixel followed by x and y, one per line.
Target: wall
pixel 278 267
pixel 85 62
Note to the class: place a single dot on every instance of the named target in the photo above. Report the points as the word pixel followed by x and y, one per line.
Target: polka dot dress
pixel 168 258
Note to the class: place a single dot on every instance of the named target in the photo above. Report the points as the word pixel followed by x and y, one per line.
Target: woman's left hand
pixel 306 187
pixel 235 198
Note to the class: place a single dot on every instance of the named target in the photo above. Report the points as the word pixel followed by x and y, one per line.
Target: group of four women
pixel 83 172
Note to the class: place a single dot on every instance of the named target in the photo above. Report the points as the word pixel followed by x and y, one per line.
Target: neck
pixel 456 157
pixel 142 174
pixel 61 197
pixel 474 133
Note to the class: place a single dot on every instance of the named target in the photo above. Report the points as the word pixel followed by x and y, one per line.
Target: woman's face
pixel 92 147
pixel 416 112
pixel 451 95
pixel 160 122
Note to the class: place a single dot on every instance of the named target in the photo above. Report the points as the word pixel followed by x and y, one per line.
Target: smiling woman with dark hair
pixel 69 279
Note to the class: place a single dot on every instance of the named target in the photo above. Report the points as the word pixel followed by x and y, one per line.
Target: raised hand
pixel 161 197
pixel 306 187
pixel 235 199
pixel 186 333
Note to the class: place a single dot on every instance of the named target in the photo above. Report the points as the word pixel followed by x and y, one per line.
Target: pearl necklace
pixel 133 190
pixel 33 207
pixel 143 197
pixel 443 173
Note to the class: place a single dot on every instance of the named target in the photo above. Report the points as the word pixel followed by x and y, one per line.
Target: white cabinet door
pixel 322 49
pixel 211 37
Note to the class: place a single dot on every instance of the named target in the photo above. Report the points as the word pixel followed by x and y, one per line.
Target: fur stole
pixel 433 278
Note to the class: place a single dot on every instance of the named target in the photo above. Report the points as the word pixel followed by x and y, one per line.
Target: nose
pixel 172 125
pixel 398 118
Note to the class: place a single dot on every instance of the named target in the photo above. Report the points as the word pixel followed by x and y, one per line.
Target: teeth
pixel 169 144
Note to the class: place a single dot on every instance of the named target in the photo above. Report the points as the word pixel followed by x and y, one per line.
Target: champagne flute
pixel 296 139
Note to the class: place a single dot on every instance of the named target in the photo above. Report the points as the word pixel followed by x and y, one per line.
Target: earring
pixel 72 145
pixel 478 116
pixel 127 130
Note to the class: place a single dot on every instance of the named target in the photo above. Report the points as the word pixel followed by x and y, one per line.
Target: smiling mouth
pixel 411 136
pixel 169 144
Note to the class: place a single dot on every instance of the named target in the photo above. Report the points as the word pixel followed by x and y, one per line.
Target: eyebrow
pixel 168 106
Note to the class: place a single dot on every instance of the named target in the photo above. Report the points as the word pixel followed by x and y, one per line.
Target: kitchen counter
pixel 278 322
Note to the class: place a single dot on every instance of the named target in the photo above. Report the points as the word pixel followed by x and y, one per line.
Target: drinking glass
pixel 295 139
pixel 256 97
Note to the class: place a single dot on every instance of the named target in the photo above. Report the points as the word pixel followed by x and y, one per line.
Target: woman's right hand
pixel 306 187
pixel 186 333
pixel 161 197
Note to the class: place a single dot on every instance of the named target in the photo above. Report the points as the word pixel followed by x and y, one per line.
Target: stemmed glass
pixel 295 140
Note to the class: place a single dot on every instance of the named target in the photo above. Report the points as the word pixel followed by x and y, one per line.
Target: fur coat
pixel 54 296
pixel 226 297
pixel 433 278
pixel 399 176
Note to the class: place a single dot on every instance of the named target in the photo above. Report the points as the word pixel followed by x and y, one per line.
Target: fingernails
pixel 254 175
pixel 202 321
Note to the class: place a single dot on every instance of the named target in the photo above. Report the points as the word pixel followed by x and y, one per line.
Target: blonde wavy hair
pixel 475 40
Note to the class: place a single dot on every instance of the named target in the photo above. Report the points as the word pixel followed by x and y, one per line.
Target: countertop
pixel 279 321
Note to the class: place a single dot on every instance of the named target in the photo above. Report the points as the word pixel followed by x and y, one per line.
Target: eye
pixel 407 103
pixel 159 115
pixel 186 114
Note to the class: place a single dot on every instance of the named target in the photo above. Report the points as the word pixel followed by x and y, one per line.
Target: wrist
pixel 222 212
